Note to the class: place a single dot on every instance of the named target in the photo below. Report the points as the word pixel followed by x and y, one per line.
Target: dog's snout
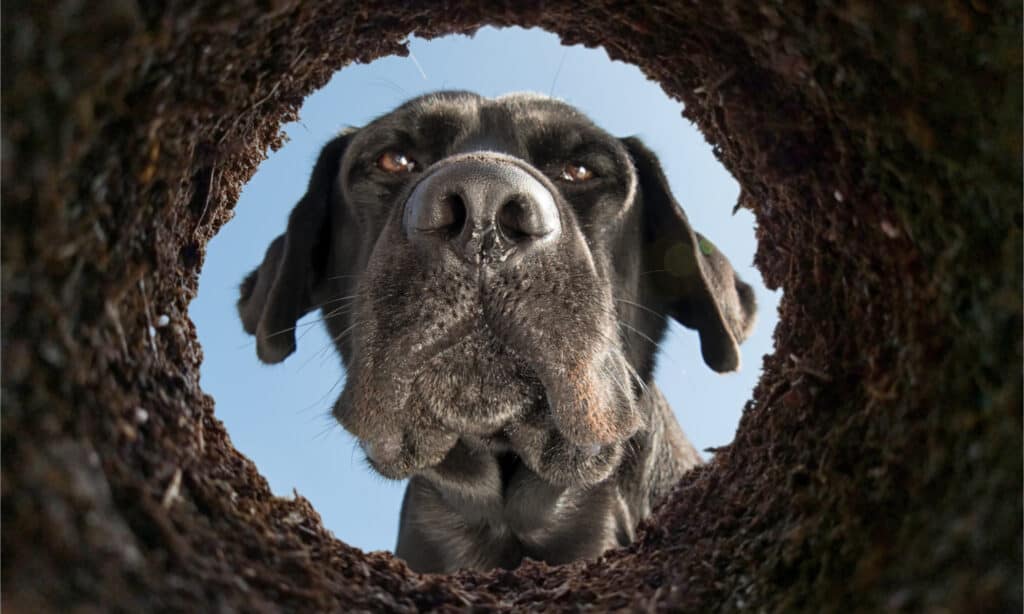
pixel 485 208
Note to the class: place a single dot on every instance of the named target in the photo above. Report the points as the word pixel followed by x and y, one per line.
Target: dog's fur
pixel 515 391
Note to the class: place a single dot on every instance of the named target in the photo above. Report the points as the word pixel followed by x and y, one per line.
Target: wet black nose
pixel 485 207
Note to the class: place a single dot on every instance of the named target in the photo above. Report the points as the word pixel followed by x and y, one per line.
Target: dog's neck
pixel 519 516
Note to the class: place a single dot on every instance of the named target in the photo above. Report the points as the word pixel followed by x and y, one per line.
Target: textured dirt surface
pixel 878 465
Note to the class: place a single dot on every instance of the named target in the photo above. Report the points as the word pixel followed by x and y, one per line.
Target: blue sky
pixel 279 415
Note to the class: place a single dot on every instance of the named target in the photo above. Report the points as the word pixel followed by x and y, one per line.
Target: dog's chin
pixel 402 457
pixel 408 418
pixel 475 386
pixel 428 428
pixel 567 423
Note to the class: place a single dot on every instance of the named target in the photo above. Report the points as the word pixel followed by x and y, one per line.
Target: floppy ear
pixel 279 292
pixel 694 282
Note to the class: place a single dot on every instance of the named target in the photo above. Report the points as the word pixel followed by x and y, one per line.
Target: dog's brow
pixel 444 125
pixel 540 113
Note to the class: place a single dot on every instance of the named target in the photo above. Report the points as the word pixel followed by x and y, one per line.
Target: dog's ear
pixel 281 290
pixel 688 276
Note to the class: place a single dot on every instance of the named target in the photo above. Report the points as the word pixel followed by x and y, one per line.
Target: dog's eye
pixel 574 172
pixel 395 162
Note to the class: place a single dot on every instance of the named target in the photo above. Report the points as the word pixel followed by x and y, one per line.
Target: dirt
pixel 877 467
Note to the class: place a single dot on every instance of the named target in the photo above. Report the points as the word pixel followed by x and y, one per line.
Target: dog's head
pixel 494 269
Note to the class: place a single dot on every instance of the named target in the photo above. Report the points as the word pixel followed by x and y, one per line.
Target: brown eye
pixel 395 162
pixel 575 172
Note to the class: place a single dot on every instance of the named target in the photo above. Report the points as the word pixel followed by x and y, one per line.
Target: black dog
pixel 496 275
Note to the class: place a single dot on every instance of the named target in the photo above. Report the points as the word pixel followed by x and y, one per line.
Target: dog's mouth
pixel 468 385
pixel 476 383
pixel 493 360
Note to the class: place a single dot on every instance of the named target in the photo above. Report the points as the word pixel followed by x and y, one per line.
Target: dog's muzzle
pixel 484 207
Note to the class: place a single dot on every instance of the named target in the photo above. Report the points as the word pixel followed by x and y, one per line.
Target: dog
pixel 496 275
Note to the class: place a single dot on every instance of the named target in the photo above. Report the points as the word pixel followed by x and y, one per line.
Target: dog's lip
pixel 422 352
pixel 390 456
pixel 383 451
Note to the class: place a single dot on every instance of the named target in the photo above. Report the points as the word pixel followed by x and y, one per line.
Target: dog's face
pixel 495 271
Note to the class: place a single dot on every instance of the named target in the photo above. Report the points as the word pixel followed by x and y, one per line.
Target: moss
pixel 876 467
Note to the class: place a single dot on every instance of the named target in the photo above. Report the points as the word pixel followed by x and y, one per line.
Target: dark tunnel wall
pixel 878 465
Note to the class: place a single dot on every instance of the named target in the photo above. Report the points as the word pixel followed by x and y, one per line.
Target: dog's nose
pixel 484 207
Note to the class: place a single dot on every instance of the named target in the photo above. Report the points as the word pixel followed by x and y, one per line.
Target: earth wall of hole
pixel 878 465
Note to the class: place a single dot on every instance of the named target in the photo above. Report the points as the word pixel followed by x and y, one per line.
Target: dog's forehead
pixel 474 114
pixel 533 107
pixel 454 104
pixel 468 103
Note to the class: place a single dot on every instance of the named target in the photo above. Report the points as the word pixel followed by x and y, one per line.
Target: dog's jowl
pixel 496 274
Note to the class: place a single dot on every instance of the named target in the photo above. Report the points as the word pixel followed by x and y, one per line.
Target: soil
pixel 877 467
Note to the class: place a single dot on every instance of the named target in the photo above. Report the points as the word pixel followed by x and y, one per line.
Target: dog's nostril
pixel 446 214
pixel 511 220
pixel 454 216
pixel 521 218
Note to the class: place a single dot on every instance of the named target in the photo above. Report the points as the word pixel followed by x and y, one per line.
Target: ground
pixel 877 466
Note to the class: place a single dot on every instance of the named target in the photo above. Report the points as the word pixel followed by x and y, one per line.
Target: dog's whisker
pixel 325 431
pixel 339 299
pixel 613 345
pixel 352 452
pixel 334 277
pixel 323 398
pixel 342 334
pixel 639 306
pixel 329 344
pixel 638 333
pixel 324 417
pixel 304 333
pixel 636 376
pixel 326 357
pixel 332 314
pixel 628 390
pixel 615 380
pixel 343 309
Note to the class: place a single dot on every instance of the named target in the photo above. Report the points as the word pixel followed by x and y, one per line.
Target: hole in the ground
pixel 279 415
